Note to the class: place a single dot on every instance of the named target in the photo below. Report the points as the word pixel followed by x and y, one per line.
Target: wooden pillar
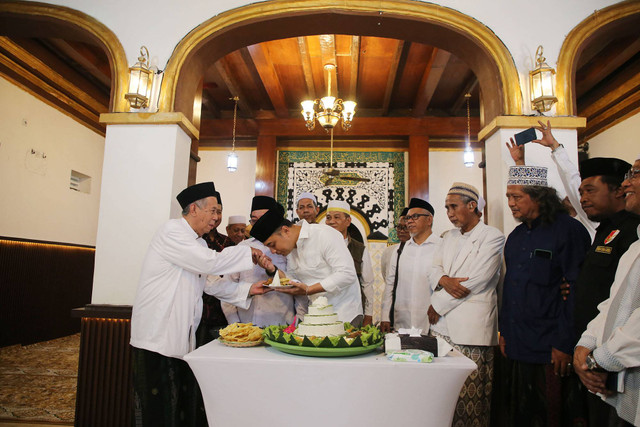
pixel 266 165
pixel 419 166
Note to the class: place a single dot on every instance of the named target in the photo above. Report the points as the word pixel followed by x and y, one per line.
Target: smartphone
pixel 525 136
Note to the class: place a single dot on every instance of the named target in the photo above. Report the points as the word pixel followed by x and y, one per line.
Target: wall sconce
pixel 232 158
pixel 542 81
pixel 140 81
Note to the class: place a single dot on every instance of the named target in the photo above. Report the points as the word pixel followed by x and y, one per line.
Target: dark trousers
pixel 166 393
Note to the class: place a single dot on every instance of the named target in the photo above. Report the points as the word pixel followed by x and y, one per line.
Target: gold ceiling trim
pixel 115 51
pixel 152 119
pixel 416 10
pixel 522 122
pixel 571 48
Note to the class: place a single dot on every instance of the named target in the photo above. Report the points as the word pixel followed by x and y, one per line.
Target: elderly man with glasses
pixel 406 300
pixel 607 357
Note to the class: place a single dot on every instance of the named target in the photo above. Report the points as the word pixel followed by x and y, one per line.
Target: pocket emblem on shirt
pixel 611 236
pixel 603 249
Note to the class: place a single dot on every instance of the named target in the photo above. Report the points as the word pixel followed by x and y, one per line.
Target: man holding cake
pixel 466 271
pixel 274 308
pixel 318 261
pixel 405 301
pixel 339 217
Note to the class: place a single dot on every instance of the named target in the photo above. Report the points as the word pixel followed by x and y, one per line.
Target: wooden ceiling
pixel 388 79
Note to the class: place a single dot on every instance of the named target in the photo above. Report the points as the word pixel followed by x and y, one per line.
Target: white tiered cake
pixel 321 321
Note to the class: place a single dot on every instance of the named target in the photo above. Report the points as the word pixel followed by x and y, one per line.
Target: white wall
pixel 236 188
pixel 35 199
pixel 445 168
pixel 620 141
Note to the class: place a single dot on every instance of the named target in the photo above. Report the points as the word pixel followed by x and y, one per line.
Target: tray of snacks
pixel 278 283
pixel 241 335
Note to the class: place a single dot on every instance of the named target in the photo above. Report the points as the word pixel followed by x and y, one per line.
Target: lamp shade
pixel 468 157
pixel 542 81
pixel 232 162
pixel 140 81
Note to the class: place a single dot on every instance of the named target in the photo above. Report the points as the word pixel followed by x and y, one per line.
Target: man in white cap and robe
pixel 274 308
pixel 466 272
pixel 339 217
pixel 318 261
pixel 236 227
pixel 307 207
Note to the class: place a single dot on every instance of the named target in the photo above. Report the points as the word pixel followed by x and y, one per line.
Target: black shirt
pixel 613 237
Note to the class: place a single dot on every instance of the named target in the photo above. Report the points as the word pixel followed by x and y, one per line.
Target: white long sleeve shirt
pixel 614 334
pixel 168 304
pixel 367 280
pixel 385 259
pixel 476 254
pixel 571 181
pixel 413 294
pixel 273 308
pixel 322 257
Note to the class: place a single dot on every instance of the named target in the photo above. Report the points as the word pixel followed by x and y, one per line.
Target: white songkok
pixel 339 206
pixel 237 219
pixel 307 195
pixel 528 175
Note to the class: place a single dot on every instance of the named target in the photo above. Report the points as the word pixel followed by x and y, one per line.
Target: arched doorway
pixel 30 19
pixel 415 21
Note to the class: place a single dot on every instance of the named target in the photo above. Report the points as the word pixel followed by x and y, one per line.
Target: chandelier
pixel 328 110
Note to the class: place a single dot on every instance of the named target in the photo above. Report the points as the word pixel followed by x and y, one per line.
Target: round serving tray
pixel 323 351
pixel 240 344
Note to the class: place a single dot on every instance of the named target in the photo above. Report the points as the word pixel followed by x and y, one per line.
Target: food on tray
pixel 241 332
pixel 284 281
pixel 321 321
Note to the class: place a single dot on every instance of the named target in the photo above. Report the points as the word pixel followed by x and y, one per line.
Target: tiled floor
pixel 38 382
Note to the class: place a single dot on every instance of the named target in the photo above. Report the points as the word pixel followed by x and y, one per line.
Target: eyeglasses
pixel 415 216
pixel 401 227
pixel 632 174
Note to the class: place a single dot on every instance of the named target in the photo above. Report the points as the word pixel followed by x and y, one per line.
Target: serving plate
pixel 322 351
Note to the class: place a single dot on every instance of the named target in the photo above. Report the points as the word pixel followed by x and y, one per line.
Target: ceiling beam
pixel 430 79
pixel 610 58
pixel 88 64
pixel 33 84
pixel 393 75
pixel 328 55
pixel 269 77
pixel 355 65
pixel 222 67
pixel 51 75
pixel 305 61
pixel 434 127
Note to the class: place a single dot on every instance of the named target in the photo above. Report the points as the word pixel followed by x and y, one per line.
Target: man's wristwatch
pixel 592 365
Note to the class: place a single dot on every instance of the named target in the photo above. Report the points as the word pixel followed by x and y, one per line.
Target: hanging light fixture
pixel 232 158
pixel 542 81
pixel 328 110
pixel 140 81
pixel 468 157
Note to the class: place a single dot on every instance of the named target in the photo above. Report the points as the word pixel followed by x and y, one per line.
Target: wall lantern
pixel 140 81
pixel 542 81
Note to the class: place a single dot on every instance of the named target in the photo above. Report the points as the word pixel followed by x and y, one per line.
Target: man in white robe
pixel 168 306
pixel 318 261
pixel 339 218
pixel 405 305
pixel 403 235
pixel 464 304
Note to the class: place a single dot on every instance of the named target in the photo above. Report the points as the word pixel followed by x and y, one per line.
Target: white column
pixel 498 161
pixel 145 167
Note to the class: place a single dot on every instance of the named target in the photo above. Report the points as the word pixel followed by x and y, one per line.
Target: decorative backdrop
pixel 379 201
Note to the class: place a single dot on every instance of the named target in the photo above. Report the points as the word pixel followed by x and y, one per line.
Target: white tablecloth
pixel 261 386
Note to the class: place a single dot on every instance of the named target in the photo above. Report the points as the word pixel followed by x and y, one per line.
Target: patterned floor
pixel 38 382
